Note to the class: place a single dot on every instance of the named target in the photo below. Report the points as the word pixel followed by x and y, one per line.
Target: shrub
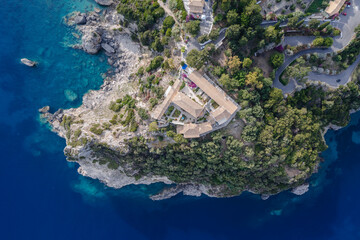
pixel 203 38
pixel 143 114
pixel 155 63
pixel 96 129
pixel 277 59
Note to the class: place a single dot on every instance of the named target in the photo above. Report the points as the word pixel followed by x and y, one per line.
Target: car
pixel 338 80
pixel 348 5
pixel 344 13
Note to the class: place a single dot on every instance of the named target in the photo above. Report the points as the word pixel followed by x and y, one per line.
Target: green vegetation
pixel 127 101
pixel 297 70
pixel 96 129
pixel 193 27
pixel 168 23
pixel 349 54
pixel 324 42
pixel 178 7
pixel 316 6
pixel 274 135
pixel 145 13
pixel 143 114
pixel 155 63
pixel 66 122
pixel 196 59
pixel 277 59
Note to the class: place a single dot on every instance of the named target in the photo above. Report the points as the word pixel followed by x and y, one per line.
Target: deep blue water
pixel 43 197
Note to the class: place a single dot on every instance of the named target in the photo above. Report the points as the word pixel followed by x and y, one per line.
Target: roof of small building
pixel 196 6
pixel 192 130
pixel 221 115
pixel 189 105
pixel 334 7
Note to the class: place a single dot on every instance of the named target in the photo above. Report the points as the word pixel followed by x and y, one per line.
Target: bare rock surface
pixel 91 42
pixel 300 190
pixel 104 2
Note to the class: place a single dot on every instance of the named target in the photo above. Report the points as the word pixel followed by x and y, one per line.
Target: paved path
pixel 344 76
pixel 347 25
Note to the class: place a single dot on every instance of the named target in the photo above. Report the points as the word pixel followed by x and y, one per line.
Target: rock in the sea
pixel 70 95
pixel 300 190
pixel 107 48
pixel 80 19
pixel 91 42
pixel 28 62
pixel 265 196
pixel 44 109
pixel 104 2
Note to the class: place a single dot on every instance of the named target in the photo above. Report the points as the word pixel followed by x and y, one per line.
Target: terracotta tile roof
pixel 334 7
pixel 214 92
pixel 189 105
pixel 161 108
pixel 221 115
pixel 196 6
pixel 192 130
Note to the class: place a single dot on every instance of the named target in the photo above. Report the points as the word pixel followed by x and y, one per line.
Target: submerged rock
pixel 70 95
pixel 28 62
pixel 300 190
pixel 104 2
pixel 91 42
pixel 265 197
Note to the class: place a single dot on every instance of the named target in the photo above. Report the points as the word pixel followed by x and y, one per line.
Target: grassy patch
pixel 176 113
pixel 315 7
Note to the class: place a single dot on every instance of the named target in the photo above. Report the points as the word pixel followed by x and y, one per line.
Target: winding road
pixel 347 25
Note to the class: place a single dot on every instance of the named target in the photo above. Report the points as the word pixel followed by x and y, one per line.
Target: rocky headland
pixel 100 149
pixel 102 32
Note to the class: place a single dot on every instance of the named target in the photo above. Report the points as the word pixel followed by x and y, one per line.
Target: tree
pixel 297 71
pixel 277 59
pixel 292 21
pixel 252 79
pixel 168 22
pixel 328 42
pixel 196 59
pixel 228 82
pixel 153 127
pixel 233 32
pixel 271 33
pixel 232 17
pixel 214 34
pixel 319 41
pixel 193 27
pixel 314 23
pixel 243 41
pixel 247 62
pixel 202 38
pixel 234 64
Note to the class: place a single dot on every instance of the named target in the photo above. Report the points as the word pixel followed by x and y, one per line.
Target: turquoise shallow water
pixel 43 197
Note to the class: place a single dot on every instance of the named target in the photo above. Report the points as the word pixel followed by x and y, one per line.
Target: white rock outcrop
pixel 300 190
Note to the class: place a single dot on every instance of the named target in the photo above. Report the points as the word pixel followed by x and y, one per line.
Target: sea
pixel 43 196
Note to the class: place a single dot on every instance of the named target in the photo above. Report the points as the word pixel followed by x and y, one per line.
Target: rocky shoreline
pixel 102 32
